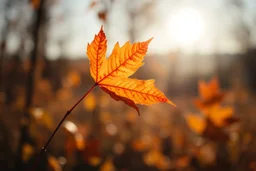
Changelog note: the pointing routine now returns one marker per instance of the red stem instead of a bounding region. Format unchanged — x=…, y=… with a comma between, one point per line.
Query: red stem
x=44, y=148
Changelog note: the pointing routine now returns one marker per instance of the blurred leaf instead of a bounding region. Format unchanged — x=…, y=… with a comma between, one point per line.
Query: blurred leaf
x=139, y=145
x=64, y=94
x=42, y=117
x=27, y=152
x=221, y=116
x=163, y=163
x=182, y=162
x=105, y=117
x=80, y=142
x=94, y=161
x=206, y=128
x=107, y=166
x=131, y=116
x=54, y=164
x=74, y=78
x=215, y=133
x=74, y=140
x=157, y=159
x=90, y=102
x=196, y=123
x=210, y=94
x=152, y=157
x=207, y=154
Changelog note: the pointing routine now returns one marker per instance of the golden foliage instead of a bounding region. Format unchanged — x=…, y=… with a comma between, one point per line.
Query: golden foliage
x=215, y=117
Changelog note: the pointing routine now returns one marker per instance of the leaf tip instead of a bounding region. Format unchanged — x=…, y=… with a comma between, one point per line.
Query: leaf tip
x=149, y=40
x=171, y=103
x=101, y=33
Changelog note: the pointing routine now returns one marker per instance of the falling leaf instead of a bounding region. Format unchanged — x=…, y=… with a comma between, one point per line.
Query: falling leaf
x=112, y=74
x=102, y=15
x=94, y=161
x=210, y=94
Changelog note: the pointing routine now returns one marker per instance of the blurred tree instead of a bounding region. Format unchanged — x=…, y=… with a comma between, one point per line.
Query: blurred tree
x=6, y=158
x=25, y=136
x=244, y=28
x=4, y=34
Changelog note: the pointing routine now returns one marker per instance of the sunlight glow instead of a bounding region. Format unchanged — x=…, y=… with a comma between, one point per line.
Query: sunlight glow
x=186, y=26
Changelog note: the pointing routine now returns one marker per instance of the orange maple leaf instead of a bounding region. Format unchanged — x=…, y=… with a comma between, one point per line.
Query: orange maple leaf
x=221, y=116
x=212, y=125
x=112, y=74
x=210, y=94
x=206, y=128
x=196, y=123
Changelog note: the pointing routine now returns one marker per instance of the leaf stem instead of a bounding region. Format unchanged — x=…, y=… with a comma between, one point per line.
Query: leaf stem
x=44, y=148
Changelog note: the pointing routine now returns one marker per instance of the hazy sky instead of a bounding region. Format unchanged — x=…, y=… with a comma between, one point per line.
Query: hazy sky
x=74, y=24
x=80, y=24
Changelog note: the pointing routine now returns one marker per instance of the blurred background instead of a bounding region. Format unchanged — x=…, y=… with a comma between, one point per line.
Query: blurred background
x=44, y=70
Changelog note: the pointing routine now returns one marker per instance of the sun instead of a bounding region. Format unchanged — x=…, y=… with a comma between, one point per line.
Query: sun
x=186, y=26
